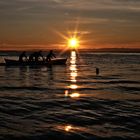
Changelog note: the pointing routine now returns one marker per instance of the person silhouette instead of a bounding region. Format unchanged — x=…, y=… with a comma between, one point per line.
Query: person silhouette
x=36, y=56
x=97, y=71
x=50, y=56
x=31, y=57
x=22, y=56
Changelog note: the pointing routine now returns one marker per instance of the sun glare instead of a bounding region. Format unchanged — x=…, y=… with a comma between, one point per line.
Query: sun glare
x=73, y=43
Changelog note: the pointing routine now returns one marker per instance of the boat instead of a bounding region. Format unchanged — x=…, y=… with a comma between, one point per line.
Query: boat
x=55, y=61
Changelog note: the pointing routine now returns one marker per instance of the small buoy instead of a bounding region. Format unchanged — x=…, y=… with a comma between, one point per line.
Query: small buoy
x=97, y=71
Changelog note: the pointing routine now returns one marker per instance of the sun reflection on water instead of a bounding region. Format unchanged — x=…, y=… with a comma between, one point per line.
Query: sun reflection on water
x=71, y=92
x=73, y=86
x=68, y=128
x=73, y=75
x=74, y=129
x=73, y=54
x=73, y=69
x=74, y=95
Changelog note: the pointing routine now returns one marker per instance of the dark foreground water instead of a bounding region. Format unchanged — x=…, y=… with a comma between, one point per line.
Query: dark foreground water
x=71, y=102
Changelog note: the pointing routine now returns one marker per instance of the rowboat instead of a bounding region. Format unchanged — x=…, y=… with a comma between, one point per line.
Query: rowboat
x=55, y=61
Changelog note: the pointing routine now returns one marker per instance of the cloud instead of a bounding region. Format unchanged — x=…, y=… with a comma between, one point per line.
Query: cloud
x=76, y=4
x=100, y=4
x=105, y=17
x=96, y=8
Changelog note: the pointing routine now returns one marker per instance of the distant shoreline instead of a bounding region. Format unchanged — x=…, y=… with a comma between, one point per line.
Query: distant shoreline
x=102, y=50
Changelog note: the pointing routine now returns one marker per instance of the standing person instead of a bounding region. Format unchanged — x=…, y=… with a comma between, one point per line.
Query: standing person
x=21, y=56
x=97, y=71
x=36, y=56
x=31, y=57
x=50, y=55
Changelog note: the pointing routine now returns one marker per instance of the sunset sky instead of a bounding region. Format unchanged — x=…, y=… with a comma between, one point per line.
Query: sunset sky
x=29, y=24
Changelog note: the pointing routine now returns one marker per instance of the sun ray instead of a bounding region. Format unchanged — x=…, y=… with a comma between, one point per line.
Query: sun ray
x=73, y=38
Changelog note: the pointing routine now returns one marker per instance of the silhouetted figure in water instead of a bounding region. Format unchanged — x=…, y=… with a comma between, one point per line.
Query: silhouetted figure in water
x=36, y=56
x=31, y=57
x=97, y=71
x=50, y=56
x=22, y=56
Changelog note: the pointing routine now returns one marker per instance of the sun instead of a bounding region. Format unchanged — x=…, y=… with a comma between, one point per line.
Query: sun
x=73, y=43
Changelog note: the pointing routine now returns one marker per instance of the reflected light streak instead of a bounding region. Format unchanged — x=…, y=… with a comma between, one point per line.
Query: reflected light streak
x=73, y=54
x=73, y=86
x=73, y=75
x=72, y=62
x=68, y=128
x=73, y=57
x=73, y=80
x=75, y=129
x=74, y=95
x=73, y=68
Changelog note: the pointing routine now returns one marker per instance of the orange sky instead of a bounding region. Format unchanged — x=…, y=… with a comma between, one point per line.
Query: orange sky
x=32, y=24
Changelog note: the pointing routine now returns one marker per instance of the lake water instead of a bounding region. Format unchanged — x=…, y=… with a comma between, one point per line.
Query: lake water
x=71, y=101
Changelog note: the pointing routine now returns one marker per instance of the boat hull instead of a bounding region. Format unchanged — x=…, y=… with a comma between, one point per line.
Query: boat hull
x=57, y=61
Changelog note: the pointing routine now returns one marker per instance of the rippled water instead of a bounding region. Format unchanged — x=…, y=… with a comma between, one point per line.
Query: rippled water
x=65, y=102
